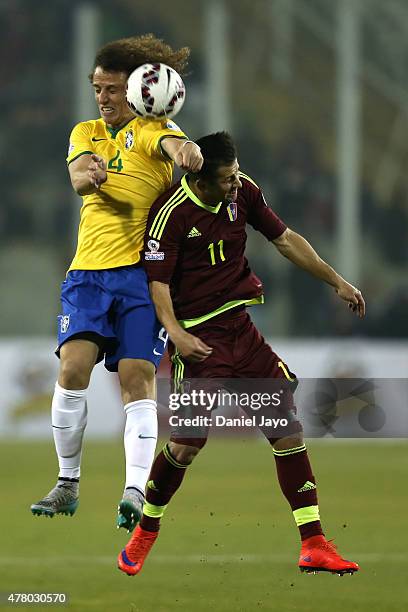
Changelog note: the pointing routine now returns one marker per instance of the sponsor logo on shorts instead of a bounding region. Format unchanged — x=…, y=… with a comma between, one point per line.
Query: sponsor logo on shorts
x=155, y=254
x=64, y=323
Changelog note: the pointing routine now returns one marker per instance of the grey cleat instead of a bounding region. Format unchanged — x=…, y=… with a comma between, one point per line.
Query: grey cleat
x=62, y=499
x=130, y=509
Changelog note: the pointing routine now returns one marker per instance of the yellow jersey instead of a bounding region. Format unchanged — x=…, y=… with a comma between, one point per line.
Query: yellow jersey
x=113, y=219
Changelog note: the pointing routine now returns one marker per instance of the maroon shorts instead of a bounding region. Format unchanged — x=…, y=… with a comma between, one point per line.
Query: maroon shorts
x=239, y=352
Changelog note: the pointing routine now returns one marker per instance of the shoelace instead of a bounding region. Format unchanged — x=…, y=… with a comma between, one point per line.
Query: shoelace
x=65, y=485
x=60, y=493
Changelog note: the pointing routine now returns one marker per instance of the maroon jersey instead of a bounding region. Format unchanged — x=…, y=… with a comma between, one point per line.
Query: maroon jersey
x=199, y=250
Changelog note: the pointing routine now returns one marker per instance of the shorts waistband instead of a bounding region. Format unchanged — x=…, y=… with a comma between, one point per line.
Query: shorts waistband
x=229, y=316
x=127, y=267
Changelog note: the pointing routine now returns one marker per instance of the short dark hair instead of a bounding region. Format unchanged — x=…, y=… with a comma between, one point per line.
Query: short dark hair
x=127, y=54
x=217, y=150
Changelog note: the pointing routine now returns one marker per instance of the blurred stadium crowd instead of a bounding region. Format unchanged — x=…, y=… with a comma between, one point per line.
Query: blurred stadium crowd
x=285, y=129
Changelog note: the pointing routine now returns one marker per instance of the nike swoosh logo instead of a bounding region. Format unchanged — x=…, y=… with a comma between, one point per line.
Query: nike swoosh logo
x=56, y=427
x=97, y=139
x=142, y=437
x=156, y=353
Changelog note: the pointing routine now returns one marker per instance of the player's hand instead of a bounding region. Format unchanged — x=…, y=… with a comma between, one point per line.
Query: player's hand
x=353, y=296
x=97, y=171
x=192, y=348
x=189, y=157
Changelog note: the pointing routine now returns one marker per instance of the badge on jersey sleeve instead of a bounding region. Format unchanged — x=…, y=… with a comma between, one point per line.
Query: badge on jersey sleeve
x=155, y=254
x=232, y=210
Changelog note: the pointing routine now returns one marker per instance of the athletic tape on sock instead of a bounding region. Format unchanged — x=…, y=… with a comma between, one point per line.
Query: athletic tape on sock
x=306, y=515
x=153, y=511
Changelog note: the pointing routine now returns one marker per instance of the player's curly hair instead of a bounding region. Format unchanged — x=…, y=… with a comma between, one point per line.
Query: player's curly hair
x=217, y=150
x=127, y=54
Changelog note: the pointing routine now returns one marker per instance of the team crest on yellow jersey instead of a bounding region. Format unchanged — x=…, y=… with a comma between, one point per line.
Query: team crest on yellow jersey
x=129, y=139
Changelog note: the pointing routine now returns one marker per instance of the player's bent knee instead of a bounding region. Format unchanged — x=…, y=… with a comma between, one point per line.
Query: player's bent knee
x=74, y=374
x=137, y=380
x=77, y=359
x=182, y=453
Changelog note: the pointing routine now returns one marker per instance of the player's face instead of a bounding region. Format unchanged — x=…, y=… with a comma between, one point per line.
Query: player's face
x=110, y=96
x=224, y=187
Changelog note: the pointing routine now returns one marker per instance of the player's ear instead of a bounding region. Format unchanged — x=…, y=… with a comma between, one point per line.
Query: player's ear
x=202, y=184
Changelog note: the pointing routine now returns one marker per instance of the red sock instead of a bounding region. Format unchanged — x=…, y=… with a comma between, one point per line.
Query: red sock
x=299, y=487
x=165, y=478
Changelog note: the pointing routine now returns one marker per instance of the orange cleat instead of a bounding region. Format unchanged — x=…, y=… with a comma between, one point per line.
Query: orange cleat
x=131, y=559
x=319, y=555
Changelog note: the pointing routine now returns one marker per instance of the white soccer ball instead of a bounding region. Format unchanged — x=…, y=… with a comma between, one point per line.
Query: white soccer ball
x=155, y=91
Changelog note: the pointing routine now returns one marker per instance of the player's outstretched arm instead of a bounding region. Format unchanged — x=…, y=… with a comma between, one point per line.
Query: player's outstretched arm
x=298, y=250
x=87, y=173
x=190, y=347
x=185, y=153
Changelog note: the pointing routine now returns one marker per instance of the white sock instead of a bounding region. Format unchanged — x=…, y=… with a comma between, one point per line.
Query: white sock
x=68, y=413
x=140, y=441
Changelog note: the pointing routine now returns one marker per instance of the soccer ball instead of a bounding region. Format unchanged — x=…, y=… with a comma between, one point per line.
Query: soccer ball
x=155, y=91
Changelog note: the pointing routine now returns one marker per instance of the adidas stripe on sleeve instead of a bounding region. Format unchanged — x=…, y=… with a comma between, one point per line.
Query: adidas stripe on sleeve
x=162, y=237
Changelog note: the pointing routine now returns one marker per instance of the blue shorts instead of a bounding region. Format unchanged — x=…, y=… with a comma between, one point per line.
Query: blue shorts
x=115, y=304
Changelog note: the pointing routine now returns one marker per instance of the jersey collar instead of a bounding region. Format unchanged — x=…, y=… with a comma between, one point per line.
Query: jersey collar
x=114, y=132
x=193, y=197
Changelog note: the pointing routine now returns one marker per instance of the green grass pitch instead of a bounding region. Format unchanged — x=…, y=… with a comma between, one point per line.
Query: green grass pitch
x=228, y=540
